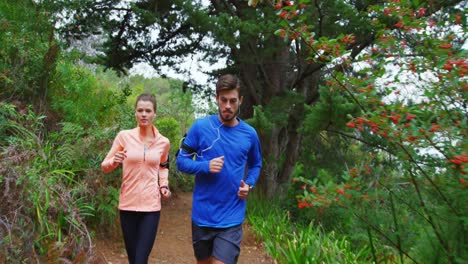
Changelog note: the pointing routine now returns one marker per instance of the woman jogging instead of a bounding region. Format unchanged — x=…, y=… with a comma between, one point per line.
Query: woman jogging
x=144, y=155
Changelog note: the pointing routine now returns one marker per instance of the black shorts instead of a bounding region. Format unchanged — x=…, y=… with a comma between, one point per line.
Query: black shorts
x=221, y=243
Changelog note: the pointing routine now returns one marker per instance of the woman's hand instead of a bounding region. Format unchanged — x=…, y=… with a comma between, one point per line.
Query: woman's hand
x=166, y=193
x=120, y=156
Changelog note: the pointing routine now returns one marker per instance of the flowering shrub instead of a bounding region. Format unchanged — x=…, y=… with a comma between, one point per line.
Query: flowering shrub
x=409, y=83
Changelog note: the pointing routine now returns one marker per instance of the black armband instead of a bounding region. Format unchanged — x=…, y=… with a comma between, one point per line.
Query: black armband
x=185, y=147
x=165, y=165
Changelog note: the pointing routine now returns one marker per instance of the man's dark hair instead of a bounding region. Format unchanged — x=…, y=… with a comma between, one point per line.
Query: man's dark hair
x=147, y=97
x=227, y=82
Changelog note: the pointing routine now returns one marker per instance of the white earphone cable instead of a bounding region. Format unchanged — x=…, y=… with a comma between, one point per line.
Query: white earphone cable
x=212, y=143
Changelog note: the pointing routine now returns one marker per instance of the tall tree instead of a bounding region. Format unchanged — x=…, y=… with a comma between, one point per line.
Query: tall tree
x=278, y=76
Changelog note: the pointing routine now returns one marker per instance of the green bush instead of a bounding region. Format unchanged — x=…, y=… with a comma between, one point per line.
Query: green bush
x=45, y=198
x=291, y=242
x=79, y=97
x=28, y=52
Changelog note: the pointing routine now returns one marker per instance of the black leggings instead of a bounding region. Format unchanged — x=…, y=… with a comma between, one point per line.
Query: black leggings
x=139, y=231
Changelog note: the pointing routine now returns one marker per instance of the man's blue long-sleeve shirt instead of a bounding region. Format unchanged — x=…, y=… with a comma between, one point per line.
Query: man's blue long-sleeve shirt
x=215, y=200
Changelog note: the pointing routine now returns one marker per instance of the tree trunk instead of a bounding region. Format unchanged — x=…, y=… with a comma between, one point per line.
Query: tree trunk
x=267, y=182
x=264, y=78
x=292, y=149
x=269, y=70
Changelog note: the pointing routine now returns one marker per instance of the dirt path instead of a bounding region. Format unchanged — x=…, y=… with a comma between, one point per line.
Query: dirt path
x=173, y=241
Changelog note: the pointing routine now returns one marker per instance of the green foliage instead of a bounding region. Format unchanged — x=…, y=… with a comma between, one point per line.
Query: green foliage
x=276, y=114
x=42, y=189
x=129, y=39
x=175, y=116
x=107, y=201
x=288, y=242
x=78, y=97
x=28, y=50
x=329, y=113
x=157, y=86
x=406, y=180
x=169, y=127
x=392, y=178
x=178, y=104
x=261, y=121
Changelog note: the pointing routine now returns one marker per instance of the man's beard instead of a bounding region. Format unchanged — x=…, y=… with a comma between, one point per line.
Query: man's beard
x=226, y=119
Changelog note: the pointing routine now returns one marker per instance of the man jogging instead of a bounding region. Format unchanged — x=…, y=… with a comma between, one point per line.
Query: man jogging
x=224, y=153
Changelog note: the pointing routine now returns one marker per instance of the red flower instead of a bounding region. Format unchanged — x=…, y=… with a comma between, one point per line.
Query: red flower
x=395, y=118
x=446, y=46
x=448, y=66
x=387, y=11
x=459, y=159
x=434, y=127
x=374, y=126
x=458, y=18
x=399, y=24
x=361, y=120
x=459, y=62
x=353, y=172
x=348, y=39
x=368, y=170
x=410, y=116
x=312, y=189
x=340, y=191
x=282, y=33
x=279, y=5
x=351, y=125
x=283, y=14
x=421, y=12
